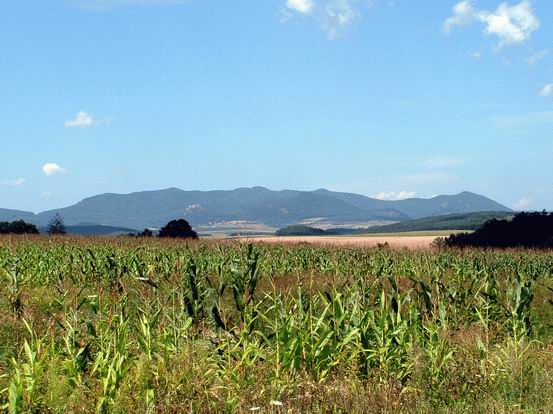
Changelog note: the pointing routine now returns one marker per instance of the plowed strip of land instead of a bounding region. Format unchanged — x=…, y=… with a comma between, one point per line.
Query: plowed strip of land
x=403, y=242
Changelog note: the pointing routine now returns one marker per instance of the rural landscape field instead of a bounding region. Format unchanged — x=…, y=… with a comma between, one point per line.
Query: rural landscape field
x=134, y=325
x=276, y=206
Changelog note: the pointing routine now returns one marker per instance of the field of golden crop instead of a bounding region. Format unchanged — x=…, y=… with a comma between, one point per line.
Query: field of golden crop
x=401, y=242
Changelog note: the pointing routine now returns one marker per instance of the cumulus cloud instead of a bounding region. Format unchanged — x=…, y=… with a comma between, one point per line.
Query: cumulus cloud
x=81, y=120
x=547, y=90
x=51, y=168
x=334, y=16
x=511, y=24
x=301, y=6
x=395, y=195
x=522, y=204
x=12, y=183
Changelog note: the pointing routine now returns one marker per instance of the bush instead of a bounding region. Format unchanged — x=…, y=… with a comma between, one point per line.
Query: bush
x=146, y=233
x=178, y=229
x=17, y=227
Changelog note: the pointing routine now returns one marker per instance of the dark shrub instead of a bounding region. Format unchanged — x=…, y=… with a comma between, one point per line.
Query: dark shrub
x=146, y=233
x=178, y=228
x=17, y=227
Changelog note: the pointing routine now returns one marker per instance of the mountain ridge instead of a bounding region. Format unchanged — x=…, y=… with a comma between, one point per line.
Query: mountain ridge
x=154, y=208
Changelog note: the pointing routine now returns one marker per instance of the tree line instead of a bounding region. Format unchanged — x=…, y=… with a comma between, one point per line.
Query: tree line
x=529, y=230
x=174, y=229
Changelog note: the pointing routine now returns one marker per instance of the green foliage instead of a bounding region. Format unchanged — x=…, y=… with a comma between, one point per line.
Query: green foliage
x=178, y=229
x=17, y=227
x=136, y=325
x=467, y=221
x=301, y=230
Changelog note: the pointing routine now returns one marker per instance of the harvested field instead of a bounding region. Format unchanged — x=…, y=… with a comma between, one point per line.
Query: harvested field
x=402, y=242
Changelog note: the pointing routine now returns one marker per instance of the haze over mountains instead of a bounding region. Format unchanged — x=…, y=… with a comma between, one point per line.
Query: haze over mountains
x=256, y=207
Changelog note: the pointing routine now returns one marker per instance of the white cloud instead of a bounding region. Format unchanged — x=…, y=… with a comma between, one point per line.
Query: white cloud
x=522, y=204
x=547, y=90
x=476, y=55
x=82, y=120
x=395, y=195
x=511, y=24
x=338, y=16
x=334, y=16
x=536, y=57
x=12, y=183
x=463, y=14
x=51, y=168
x=301, y=6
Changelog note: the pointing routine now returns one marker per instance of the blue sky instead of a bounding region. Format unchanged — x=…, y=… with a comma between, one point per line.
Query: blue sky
x=386, y=98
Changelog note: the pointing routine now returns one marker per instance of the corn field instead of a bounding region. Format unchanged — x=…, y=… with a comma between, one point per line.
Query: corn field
x=147, y=326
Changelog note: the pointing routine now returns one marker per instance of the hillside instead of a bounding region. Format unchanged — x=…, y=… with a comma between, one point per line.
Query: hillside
x=299, y=230
x=257, y=205
x=12, y=215
x=98, y=230
x=469, y=221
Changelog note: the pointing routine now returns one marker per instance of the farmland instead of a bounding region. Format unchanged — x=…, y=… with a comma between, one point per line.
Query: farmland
x=153, y=326
x=414, y=241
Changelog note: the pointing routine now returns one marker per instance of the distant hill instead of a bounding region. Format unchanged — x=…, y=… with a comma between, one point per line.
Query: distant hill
x=467, y=221
x=300, y=230
x=12, y=215
x=98, y=230
x=257, y=205
x=94, y=230
x=465, y=202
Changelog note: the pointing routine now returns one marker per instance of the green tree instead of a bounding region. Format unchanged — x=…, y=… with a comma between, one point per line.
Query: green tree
x=56, y=225
x=178, y=228
x=17, y=227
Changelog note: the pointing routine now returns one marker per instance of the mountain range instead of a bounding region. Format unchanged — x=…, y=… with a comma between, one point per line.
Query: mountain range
x=256, y=208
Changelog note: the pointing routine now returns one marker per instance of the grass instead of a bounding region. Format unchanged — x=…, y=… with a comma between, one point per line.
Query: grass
x=125, y=325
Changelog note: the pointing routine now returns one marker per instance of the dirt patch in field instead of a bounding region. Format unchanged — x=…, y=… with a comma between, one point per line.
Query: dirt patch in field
x=407, y=242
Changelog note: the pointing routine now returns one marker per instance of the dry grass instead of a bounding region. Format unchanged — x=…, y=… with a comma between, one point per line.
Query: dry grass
x=401, y=242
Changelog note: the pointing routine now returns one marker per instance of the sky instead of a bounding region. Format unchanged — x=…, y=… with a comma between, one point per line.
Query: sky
x=390, y=99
